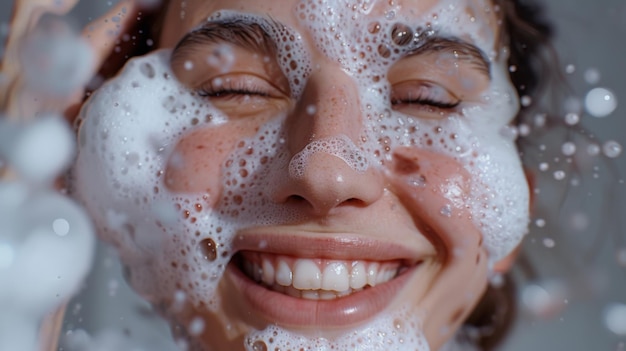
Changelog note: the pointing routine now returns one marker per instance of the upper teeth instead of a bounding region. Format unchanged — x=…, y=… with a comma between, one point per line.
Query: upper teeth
x=316, y=278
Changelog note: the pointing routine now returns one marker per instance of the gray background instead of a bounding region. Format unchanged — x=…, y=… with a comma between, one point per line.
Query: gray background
x=589, y=36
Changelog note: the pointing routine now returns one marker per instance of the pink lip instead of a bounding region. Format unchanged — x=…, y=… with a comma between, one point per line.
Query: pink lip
x=331, y=246
x=291, y=311
x=358, y=307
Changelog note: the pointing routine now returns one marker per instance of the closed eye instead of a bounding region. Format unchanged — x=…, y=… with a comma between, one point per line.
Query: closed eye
x=421, y=94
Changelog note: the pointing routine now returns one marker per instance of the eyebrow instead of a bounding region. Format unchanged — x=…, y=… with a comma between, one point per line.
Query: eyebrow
x=239, y=32
x=456, y=46
x=250, y=35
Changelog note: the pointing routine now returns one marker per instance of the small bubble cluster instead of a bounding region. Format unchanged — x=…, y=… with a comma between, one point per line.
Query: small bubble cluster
x=396, y=331
x=340, y=146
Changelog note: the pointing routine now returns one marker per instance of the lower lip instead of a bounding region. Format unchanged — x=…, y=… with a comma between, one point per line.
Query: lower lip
x=290, y=311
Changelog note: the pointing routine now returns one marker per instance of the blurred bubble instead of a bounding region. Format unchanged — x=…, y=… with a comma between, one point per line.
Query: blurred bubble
x=568, y=148
x=572, y=119
x=196, y=327
x=56, y=60
x=526, y=100
x=612, y=149
x=593, y=149
x=523, y=129
x=569, y=69
x=549, y=243
x=544, y=166
x=540, y=222
x=615, y=318
x=592, y=76
x=559, y=175
x=579, y=221
x=544, y=300
x=600, y=102
x=40, y=151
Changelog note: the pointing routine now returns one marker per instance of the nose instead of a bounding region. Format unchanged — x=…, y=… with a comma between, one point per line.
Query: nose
x=328, y=170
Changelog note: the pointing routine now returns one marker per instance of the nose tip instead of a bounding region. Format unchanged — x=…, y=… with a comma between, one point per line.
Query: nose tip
x=324, y=182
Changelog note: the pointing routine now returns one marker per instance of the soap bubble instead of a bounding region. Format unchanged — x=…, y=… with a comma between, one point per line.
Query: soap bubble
x=592, y=76
x=572, y=119
x=568, y=148
x=39, y=151
x=615, y=318
x=544, y=300
x=559, y=175
x=600, y=102
x=593, y=149
x=612, y=149
x=56, y=60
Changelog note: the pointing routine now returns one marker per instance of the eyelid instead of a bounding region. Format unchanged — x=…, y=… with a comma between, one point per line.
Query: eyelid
x=240, y=83
x=432, y=94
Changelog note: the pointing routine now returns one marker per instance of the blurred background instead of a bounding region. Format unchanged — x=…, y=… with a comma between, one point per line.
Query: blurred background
x=571, y=278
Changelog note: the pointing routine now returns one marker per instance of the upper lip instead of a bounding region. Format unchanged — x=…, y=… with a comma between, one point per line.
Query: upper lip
x=338, y=246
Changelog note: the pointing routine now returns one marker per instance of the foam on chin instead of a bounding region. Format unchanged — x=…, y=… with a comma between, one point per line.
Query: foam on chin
x=132, y=124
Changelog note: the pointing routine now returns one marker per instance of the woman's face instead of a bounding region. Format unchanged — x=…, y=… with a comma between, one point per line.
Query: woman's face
x=319, y=174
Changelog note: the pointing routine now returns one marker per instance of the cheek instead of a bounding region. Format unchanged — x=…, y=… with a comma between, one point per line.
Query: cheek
x=196, y=164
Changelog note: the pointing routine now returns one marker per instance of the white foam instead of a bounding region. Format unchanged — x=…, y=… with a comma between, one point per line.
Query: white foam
x=397, y=331
x=339, y=146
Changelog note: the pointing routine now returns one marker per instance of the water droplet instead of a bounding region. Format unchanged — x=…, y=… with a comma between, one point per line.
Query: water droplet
x=446, y=211
x=208, y=249
x=61, y=226
x=593, y=150
x=568, y=148
x=559, y=175
x=544, y=166
x=572, y=119
x=600, y=102
x=612, y=149
x=549, y=243
x=540, y=223
x=526, y=100
x=615, y=318
x=196, y=327
x=311, y=109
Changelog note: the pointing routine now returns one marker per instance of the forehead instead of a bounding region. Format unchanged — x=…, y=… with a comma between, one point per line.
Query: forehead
x=456, y=15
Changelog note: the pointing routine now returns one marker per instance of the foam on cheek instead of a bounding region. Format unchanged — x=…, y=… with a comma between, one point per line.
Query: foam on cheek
x=366, y=47
x=396, y=331
x=125, y=141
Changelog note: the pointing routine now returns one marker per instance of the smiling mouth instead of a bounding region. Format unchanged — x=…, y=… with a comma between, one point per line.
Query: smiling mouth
x=317, y=279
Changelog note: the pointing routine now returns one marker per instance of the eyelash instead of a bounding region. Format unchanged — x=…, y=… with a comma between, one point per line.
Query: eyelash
x=427, y=96
x=230, y=88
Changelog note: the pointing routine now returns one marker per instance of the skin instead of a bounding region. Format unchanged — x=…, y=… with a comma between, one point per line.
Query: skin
x=334, y=198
